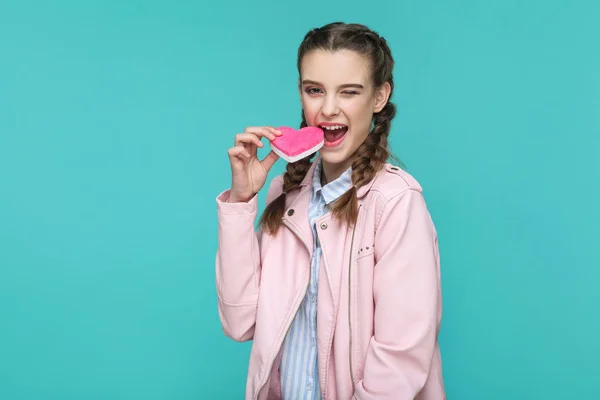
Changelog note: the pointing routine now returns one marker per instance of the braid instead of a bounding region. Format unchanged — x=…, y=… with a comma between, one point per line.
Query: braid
x=373, y=153
x=293, y=177
x=369, y=159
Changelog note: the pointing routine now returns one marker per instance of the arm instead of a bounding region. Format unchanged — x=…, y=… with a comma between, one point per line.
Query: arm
x=406, y=295
x=238, y=265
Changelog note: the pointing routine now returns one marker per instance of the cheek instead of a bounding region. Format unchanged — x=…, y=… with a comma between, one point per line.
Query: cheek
x=310, y=110
x=360, y=114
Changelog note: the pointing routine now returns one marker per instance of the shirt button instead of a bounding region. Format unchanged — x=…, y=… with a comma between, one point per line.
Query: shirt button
x=313, y=298
x=291, y=212
x=323, y=225
x=309, y=386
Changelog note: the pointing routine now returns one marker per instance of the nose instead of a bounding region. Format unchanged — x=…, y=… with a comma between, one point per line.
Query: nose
x=330, y=106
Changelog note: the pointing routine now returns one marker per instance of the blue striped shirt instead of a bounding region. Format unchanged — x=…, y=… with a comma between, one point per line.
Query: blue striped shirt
x=298, y=369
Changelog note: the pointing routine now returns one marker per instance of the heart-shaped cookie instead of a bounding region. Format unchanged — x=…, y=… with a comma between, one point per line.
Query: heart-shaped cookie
x=295, y=144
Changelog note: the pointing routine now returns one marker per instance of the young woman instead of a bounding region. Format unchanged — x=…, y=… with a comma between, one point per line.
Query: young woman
x=340, y=287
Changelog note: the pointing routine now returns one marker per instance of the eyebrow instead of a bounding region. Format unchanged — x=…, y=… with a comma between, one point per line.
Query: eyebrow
x=344, y=86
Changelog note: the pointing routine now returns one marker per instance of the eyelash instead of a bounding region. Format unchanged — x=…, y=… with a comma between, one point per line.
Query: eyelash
x=350, y=92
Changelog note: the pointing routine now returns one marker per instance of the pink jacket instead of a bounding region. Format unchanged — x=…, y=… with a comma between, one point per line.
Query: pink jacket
x=379, y=301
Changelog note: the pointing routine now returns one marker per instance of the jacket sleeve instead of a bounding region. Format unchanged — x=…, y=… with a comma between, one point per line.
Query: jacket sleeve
x=238, y=264
x=407, y=298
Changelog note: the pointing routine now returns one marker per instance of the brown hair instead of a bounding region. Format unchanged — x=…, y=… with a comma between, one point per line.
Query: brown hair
x=372, y=154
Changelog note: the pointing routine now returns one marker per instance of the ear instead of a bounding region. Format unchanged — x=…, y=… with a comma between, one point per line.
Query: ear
x=382, y=96
x=300, y=89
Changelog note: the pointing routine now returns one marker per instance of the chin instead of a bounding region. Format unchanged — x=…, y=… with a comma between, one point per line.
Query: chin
x=333, y=157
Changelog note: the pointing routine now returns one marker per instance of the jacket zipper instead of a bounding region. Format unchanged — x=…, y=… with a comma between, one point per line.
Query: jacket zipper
x=280, y=344
x=350, y=297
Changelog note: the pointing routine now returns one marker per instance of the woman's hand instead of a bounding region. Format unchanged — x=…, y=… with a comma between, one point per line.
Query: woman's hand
x=248, y=173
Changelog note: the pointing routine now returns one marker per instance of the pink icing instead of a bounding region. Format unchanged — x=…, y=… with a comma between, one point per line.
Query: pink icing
x=294, y=142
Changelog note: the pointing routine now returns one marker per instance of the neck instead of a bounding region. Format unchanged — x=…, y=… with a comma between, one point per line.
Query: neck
x=330, y=172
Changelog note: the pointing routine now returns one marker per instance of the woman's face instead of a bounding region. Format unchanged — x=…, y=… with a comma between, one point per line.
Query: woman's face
x=337, y=94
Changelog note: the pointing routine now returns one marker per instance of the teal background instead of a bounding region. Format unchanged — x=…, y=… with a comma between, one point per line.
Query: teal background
x=115, y=119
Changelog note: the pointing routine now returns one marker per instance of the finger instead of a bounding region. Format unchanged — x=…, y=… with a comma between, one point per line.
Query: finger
x=247, y=138
x=260, y=131
x=239, y=151
x=269, y=160
x=275, y=131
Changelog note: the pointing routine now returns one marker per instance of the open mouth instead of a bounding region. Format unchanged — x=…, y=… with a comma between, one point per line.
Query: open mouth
x=334, y=134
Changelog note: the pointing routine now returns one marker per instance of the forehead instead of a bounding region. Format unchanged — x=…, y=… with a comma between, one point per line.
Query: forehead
x=335, y=68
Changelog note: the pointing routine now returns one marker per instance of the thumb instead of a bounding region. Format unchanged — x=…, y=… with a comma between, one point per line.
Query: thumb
x=269, y=160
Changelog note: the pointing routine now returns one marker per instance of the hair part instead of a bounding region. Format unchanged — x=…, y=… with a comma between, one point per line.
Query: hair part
x=373, y=153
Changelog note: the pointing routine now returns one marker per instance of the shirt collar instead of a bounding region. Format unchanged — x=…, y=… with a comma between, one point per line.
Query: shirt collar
x=334, y=189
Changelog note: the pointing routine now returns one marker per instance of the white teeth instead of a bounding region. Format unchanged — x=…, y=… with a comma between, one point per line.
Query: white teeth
x=332, y=128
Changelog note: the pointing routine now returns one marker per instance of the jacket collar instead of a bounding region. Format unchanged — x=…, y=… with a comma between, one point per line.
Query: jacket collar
x=307, y=181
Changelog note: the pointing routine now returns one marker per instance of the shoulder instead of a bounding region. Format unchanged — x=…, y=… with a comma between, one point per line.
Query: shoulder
x=277, y=181
x=393, y=180
x=275, y=188
x=399, y=198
